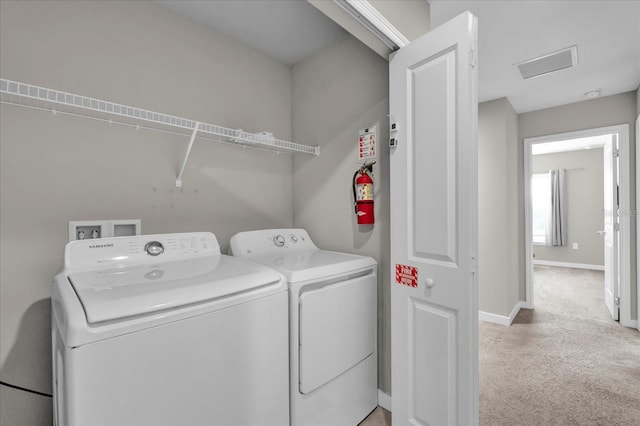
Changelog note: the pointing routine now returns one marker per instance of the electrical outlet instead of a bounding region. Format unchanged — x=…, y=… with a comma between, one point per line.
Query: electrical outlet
x=575, y=246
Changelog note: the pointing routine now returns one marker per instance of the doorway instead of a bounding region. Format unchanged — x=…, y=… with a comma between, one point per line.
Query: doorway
x=618, y=267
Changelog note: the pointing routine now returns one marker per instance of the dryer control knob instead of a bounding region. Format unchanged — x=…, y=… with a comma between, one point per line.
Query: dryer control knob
x=278, y=240
x=154, y=248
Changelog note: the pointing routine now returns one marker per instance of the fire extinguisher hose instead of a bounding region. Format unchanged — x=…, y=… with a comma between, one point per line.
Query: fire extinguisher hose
x=355, y=198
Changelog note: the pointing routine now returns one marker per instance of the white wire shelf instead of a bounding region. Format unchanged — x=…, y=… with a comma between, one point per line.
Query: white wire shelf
x=28, y=95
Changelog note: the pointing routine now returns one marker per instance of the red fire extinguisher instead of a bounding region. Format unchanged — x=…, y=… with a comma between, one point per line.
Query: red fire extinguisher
x=363, y=194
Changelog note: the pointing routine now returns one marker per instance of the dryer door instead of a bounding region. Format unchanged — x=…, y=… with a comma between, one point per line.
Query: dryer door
x=337, y=329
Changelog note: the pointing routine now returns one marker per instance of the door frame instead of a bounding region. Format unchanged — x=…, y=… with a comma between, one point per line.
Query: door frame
x=624, y=251
x=637, y=220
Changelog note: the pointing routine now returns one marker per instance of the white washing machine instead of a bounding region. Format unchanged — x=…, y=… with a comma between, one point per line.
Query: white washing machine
x=332, y=315
x=164, y=330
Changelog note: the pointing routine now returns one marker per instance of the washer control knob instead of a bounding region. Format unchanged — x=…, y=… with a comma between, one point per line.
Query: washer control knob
x=294, y=239
x=278, y=240
x=154, y=248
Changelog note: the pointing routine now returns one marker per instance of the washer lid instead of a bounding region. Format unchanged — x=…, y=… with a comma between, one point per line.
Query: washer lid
x=126, y=291
x=315, y=264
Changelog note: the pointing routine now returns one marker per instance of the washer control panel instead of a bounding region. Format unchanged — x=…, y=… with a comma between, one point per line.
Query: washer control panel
x=270, y=242
x=279, y=240
x=139, y=249
x=154, y=248
x=290, y=238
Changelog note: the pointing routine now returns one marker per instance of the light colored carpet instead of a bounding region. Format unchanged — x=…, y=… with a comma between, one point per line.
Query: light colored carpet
x=564, y=363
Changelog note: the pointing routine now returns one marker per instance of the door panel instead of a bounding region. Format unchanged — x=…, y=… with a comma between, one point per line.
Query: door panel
x=432, y=355
x=433, y=115
x=434, y=313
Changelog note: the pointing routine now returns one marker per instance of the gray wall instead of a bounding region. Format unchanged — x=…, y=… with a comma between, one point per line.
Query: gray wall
x=498, y=251
x=60, y=168
x=585, y=201
x=332, y=99
x=601, y=112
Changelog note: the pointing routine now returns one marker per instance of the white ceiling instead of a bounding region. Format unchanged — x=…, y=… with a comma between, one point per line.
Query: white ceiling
x=288, y=31
x=607, y=34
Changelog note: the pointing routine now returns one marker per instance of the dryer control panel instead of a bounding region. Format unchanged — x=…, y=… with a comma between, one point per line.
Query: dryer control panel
x=270, y=242
x=139, y=249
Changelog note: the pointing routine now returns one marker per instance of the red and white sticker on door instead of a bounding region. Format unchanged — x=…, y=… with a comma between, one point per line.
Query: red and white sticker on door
x=407, y=275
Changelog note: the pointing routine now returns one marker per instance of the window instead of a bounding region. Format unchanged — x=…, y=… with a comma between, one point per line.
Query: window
x=541, y=203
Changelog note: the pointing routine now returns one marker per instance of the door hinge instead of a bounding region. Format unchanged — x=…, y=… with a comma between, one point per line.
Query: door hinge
x=616, y=301
x=474, y=264
x=616, y=153
x=616, y=226
x=472, y=58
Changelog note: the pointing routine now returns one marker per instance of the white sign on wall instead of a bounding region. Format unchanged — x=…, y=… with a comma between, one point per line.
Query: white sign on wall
x=366, y=143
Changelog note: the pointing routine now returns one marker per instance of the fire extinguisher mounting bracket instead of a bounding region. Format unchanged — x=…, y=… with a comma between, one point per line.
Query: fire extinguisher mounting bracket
x=368, y=167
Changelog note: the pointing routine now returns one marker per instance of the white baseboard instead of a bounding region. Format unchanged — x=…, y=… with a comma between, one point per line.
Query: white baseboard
x=629, y=323
x=384, y=400
x=499, y=319
x=569, y=265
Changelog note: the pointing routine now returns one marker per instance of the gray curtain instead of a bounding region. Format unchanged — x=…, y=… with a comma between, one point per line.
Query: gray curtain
x=557, y=224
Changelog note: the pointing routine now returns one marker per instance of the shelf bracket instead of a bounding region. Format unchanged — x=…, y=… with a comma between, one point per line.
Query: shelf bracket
x=186, y=155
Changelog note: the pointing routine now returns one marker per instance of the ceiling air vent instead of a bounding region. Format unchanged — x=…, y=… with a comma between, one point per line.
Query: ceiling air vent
x=565, y=58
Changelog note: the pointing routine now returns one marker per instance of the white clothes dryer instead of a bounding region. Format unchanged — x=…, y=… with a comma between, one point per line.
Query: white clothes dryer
x=164, y=330
x=332, y=320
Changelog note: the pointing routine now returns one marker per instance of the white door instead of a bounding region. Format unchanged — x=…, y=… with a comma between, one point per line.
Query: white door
x=610, y=228
x=434, y=312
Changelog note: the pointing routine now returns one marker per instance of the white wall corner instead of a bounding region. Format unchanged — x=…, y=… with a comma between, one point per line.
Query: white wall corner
x=384, y=400
x=500, y=319
x=527, y=304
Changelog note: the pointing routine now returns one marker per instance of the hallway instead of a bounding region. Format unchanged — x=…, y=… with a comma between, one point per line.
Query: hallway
x=564, y=363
